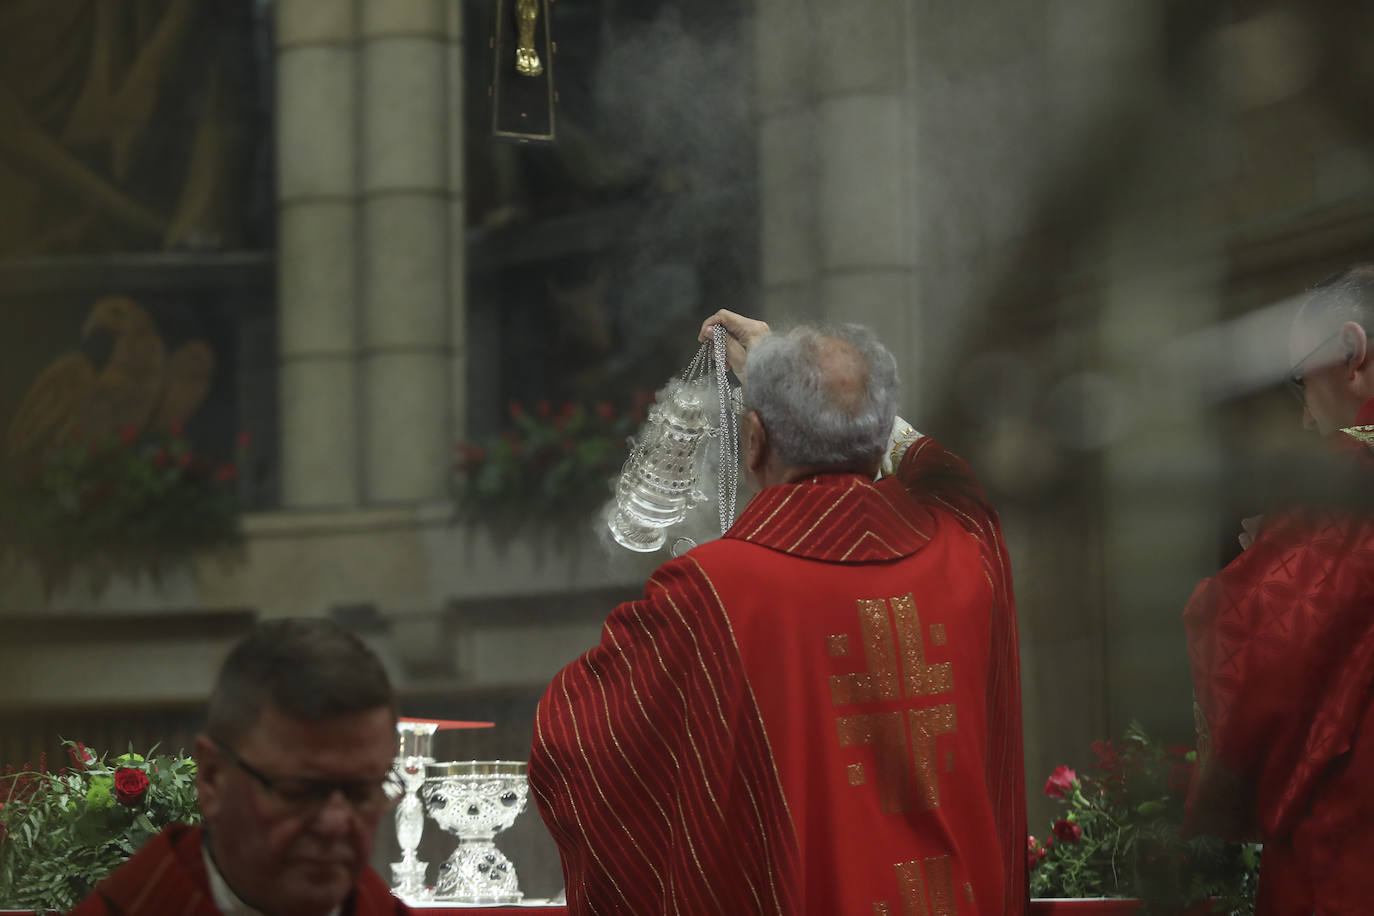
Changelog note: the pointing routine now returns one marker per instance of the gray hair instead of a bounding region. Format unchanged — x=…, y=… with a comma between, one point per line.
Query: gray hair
x=1341, y=297
x=812, y=421
x=308, y=668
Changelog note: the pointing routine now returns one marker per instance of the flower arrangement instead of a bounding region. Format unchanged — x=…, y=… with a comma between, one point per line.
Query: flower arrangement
x=132, y=505
x=62, y=832
x=549, y=463
x=1119, y=835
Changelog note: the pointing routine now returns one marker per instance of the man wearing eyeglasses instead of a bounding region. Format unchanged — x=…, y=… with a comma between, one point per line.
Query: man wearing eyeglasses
x=1282, y=642
x=293, y=776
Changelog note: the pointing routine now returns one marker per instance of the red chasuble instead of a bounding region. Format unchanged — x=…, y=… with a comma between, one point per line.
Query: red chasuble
x=167, y=878
x=1282, y=649
x=818, y=713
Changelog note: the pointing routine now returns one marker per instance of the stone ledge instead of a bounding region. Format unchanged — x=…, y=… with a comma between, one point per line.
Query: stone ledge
x=307, y=522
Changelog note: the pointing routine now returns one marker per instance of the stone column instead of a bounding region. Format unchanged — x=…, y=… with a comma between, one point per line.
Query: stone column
x=837, y=168
x=408, y=277
x=788, y=166
x=316, y=140
x=457, y=226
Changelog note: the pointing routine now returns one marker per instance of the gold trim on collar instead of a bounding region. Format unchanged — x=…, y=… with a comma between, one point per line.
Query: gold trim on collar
x=1363, y=434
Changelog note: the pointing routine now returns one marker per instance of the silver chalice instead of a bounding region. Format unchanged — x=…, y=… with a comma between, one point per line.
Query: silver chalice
x=475, y=800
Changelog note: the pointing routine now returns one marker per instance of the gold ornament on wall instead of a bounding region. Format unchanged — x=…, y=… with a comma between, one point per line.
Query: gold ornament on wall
x=521, y=90
x=141, y=386
x=526, y=57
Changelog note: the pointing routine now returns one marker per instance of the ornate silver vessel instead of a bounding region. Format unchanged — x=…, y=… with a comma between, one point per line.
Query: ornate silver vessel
x=475, y=800
x=661, y=478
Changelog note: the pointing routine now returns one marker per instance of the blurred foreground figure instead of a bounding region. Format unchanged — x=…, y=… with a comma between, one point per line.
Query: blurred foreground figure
x=1282, y=644
x=292, y=772
x=820, y=711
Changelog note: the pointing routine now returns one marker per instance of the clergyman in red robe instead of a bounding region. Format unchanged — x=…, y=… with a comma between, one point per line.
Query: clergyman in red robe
x=291, y=778
x=820, y=711
x=1281, y=643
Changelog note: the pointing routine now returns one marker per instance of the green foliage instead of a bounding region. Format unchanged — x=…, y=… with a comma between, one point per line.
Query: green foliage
x=549, y=464
x=138, y=505
x=1129, y=808
x=62, y=832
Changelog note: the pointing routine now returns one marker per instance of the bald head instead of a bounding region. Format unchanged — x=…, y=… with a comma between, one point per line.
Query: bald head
x=826, y=397
x=844, y=373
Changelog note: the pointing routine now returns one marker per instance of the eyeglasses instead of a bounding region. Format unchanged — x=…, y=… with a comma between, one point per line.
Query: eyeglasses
x=304, y=796
x=1294, y=379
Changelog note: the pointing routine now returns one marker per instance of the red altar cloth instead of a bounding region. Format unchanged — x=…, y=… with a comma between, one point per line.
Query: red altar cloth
x=1037, y=908
x=449, y=724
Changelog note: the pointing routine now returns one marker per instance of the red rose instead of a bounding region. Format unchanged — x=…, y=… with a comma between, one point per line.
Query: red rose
x=1181, y=779
x=225, y=473
x=1032, y=844
x=1108, y=758
x=1067, y=831
x=130, y=784
x=515, y=410
x=606, y=411
x=185, y=461
x=81, y=757
x=545, y=409
x=128, y=433
x=1061, y=782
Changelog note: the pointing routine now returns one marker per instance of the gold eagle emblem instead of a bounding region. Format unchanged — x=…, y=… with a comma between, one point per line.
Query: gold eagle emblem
x=141, y=386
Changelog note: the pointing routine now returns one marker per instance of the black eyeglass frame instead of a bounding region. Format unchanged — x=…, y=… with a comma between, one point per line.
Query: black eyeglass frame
x=309, y=795
x=1295, y=377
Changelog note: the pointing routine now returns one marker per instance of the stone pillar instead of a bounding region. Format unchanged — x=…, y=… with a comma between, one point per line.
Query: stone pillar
x=837, y=169
x=788, y=166
x=316, y=143
x=457, y=226
x=408, y=277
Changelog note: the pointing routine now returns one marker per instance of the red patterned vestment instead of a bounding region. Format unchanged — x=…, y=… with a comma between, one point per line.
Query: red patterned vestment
x=167, y=877
x=818, y=713
x=1282, y=649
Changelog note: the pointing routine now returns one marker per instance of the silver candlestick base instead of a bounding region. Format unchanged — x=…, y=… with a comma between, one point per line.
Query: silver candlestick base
x=414, y=754
x=408, y=880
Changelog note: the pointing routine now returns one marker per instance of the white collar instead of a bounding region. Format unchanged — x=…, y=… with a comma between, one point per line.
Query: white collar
x=226, y=901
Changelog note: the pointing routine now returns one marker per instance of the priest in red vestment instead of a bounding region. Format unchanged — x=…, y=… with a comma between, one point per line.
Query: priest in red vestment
x=1282, y=645
x=819, y=712
x=292, y=773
